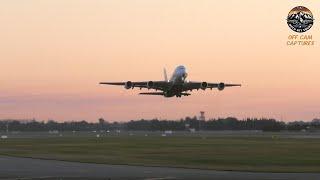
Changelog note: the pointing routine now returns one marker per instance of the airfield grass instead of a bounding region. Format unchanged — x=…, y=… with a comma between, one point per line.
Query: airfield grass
x=259, y=154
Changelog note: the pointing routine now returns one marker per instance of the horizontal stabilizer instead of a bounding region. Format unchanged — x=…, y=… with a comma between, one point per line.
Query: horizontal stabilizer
x=152, y=93
x=113, y=83
x=230, y=85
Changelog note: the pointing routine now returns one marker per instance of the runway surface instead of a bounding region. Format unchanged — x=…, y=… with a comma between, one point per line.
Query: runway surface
x=28, y=168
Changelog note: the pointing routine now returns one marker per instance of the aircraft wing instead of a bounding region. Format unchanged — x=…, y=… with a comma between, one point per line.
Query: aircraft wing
x=188, y=86
x=157, y=85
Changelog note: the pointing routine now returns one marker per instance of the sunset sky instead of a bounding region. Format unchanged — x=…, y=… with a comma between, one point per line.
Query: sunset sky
x=54, y=53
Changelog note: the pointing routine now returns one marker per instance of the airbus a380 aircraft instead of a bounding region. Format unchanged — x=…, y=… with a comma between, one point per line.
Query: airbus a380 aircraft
x=176, y=86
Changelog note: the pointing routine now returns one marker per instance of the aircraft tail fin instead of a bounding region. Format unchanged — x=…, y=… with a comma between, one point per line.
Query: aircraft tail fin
x=165, y=74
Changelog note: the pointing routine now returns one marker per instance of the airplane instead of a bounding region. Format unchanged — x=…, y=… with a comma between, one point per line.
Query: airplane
x=177, y=85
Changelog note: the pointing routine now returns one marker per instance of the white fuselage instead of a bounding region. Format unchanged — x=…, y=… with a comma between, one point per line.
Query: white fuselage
x=179, y=75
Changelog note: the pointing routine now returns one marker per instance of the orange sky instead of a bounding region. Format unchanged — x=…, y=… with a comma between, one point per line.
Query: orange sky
x=54, y=53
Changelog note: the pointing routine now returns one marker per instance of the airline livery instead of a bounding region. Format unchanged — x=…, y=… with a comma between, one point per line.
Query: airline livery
x=175, y=86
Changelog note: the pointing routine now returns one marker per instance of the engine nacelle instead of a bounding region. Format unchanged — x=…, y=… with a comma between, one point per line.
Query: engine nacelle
x=204, y=85
x=150, y=84
x=128, y=85
x=221, y=86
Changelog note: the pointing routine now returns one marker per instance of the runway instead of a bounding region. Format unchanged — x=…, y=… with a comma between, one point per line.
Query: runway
x=28, y=168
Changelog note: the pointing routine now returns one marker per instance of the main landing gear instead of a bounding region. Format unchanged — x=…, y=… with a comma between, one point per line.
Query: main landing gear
x=182, y=94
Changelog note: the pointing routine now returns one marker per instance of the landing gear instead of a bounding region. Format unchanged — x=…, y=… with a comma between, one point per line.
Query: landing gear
x=177, y=94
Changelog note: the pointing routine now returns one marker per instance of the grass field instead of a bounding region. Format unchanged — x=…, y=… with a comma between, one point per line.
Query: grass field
x=262, y=154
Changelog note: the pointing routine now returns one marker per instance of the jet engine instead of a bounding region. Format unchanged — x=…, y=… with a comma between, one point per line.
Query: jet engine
x=150, y=84
x=204, y=85
x=128, y=85
x=221, y=86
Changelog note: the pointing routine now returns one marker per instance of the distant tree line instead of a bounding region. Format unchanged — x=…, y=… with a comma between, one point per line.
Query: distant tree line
x=188, y=123
x=229, y=123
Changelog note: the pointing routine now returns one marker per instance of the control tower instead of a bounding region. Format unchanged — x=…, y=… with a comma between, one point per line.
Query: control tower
x=202, y=117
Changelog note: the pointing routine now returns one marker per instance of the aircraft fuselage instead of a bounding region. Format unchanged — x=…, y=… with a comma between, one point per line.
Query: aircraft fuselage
x=177, y=81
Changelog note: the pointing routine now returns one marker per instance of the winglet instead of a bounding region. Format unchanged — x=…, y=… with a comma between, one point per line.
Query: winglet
x=165, y=74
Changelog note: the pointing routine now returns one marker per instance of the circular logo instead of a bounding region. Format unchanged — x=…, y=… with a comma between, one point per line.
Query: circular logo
x=300, y=19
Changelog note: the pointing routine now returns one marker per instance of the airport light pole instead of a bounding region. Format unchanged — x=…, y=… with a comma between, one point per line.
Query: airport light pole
x=7, y=128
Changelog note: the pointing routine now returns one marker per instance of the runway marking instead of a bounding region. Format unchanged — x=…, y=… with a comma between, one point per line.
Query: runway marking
x=161, y=178
x=41, y=177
